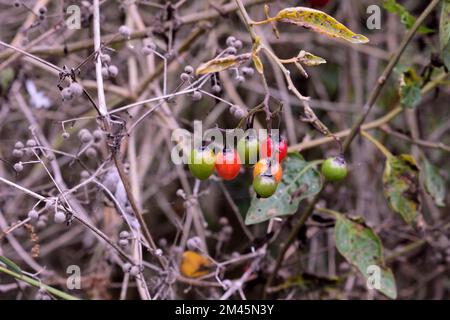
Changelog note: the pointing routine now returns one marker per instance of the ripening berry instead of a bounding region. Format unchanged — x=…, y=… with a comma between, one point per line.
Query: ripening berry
x=280, y=147
x=113, y=71
x=18, y=166
x=125, y=31
x=66, y=135
x=228, y=164
x=60, y=217
x=265, y=166
x=265, y=185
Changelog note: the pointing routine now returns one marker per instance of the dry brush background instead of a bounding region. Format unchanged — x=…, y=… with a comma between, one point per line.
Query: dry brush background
x=65, y=163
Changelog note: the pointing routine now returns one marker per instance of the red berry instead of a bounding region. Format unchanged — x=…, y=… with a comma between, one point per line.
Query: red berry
x=266, y=149
x=228, y=164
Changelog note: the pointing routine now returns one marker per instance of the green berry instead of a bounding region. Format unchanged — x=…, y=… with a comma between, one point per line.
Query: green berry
x=264, y=185
x=334, y=169
x=202, y=162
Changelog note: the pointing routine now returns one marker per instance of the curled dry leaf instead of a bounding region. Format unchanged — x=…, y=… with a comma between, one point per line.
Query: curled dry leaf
x=221, y=64
x=194, y=265
x=320, y=22
x=310, y=60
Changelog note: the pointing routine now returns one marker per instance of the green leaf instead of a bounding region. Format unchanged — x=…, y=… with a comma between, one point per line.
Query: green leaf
x=434, y=184
x=221, y=64
x=361, y=247
x=401, y=186
x=405, y=17
x=320, y=22
x=410, y=85
x=10, y=265
x=300, y=180
x=444, y=33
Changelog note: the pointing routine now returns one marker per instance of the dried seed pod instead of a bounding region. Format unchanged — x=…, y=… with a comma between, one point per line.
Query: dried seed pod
x=125, y=31
x=60, y=217
x=33, y=215
x=18, y=166
x=66, y=94
x=17, y=153
x=189, y=69
x=76, y=88
x=113, y=71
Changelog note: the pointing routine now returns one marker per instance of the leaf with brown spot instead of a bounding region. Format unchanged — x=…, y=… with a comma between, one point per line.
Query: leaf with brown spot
x=320, y=22
x=401, y=186
x=361, y=247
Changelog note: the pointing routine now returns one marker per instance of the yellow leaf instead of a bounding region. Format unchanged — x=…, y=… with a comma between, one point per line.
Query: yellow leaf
x=310, y=60
x=258, y=64
x=320, y=22
x=221, y=64
x=256, y=60
x=194, y=265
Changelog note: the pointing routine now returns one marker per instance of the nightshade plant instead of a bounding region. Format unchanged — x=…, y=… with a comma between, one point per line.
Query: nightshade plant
x=343, y=198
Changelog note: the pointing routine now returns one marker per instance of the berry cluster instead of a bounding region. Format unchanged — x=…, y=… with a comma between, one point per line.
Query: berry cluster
x=267, y=172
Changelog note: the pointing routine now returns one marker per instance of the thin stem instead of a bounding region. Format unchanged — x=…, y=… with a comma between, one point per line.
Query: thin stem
x=377, y=144
x=38, y=284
